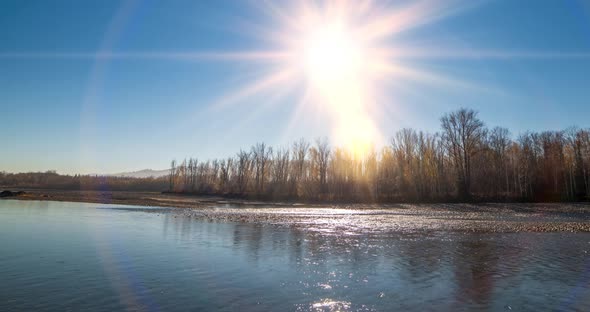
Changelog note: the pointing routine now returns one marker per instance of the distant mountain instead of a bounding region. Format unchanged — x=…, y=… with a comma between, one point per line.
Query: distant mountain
x=145, y=173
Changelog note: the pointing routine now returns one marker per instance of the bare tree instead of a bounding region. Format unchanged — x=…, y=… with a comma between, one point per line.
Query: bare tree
x=320, y=156
x=172, y=175
x=404, y=146
x=280, y=170
x=462, y=132
x=417, y=166
x=224, y=175
x=299, y=151
x=243, y=173
x=499, y=144
x=261, y=155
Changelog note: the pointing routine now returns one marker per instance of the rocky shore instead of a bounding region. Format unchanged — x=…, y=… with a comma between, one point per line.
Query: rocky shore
x=490, y=217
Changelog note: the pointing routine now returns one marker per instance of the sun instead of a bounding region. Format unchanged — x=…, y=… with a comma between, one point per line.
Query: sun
x=345, y=57
x=332, y=54
x=335, y=63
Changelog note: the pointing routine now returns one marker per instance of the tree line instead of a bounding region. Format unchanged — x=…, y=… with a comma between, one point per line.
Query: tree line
x=53, y=180
x=464, y=161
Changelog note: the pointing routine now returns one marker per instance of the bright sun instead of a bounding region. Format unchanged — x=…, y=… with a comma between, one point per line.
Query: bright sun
x=342, y=53
x=332, y=54
x=334, y=61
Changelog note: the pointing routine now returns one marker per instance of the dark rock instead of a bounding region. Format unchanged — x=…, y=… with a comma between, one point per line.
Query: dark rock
x=7, y=194
x=10, y=193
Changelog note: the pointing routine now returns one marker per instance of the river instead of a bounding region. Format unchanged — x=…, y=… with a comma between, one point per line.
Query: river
x=57, y=256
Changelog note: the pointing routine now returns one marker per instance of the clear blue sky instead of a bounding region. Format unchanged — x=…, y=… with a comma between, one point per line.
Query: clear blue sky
x=64, y=107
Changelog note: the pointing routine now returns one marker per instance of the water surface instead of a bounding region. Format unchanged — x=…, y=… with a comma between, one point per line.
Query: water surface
x=74, y=256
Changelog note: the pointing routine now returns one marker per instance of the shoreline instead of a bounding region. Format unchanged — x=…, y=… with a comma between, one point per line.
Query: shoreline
x=362, y=218
x=141, y=198
x=188, y=200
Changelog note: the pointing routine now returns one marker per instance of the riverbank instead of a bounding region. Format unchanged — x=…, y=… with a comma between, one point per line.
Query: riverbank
x=490, y=217
x=150, y=199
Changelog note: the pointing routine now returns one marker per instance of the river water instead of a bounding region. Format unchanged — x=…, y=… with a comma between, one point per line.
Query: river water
x=57, y=256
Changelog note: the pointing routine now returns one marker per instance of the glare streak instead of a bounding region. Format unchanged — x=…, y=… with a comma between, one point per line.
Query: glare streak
x=265, y=56
x=261, y=85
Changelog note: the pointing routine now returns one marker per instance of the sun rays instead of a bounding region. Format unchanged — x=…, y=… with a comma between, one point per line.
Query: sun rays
x=341, y=52
x=339, y=62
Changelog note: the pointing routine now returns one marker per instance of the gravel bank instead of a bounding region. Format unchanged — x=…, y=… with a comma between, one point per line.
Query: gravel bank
x=492, y=217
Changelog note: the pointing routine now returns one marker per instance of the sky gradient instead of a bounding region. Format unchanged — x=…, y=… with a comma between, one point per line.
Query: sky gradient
x=108, y=86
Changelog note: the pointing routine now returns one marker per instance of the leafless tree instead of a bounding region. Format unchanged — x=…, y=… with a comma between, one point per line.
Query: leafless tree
x=261, y=155
x=320, y=155
x=243, y=173
x=299, y=152
x=172, y=175
x=499, y=143
x=462, y=133
x=417, y=166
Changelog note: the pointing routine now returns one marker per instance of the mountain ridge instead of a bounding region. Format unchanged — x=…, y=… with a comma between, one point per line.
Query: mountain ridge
x=144, y=173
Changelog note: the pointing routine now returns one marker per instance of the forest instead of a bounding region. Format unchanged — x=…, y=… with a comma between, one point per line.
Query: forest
x=464, y=162
x=53, y=180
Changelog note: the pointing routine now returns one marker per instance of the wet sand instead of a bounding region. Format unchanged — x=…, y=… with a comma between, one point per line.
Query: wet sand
x=356, y=218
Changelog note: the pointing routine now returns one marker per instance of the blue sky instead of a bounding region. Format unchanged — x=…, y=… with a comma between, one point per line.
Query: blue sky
x=64, y=108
